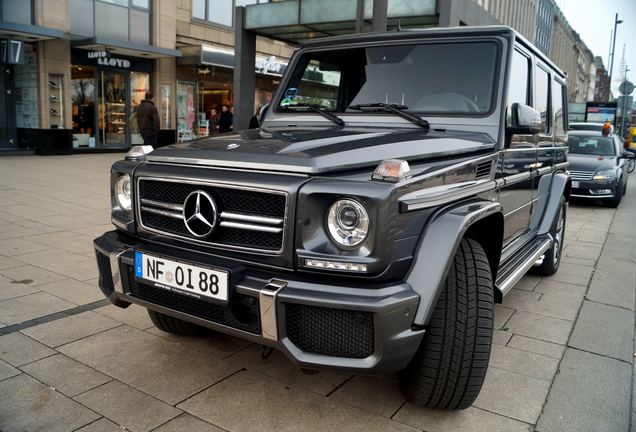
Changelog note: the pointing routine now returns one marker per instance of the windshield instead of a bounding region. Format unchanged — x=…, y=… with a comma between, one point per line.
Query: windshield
x=430, y=78
x=591, y=145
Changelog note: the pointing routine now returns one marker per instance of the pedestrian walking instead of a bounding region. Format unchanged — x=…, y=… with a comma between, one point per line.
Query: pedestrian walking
x=213, y=119
x=148, y=120
x=226, y=120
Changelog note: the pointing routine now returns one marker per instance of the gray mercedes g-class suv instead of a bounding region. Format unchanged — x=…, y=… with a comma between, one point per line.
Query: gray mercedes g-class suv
x=399, y=185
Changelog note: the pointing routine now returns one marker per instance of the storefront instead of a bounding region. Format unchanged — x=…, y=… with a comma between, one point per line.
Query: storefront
x=105, y=91
x=204, y=84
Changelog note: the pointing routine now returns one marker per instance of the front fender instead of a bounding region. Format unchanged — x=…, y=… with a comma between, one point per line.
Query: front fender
x=561, y=184
x=437, y=249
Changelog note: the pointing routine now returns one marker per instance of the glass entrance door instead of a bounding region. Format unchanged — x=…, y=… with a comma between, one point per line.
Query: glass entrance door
x=112, y=109
x=7, y=109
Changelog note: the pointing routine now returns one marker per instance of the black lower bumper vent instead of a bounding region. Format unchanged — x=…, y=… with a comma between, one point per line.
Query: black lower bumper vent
x=332, y=332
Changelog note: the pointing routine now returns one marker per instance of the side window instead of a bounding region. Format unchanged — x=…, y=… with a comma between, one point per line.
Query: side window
x=518, y=82
x=541, y=99
x=557, y=107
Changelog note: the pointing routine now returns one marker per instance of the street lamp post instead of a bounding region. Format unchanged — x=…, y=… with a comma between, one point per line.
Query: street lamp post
x=616, y=23
x=624, y=107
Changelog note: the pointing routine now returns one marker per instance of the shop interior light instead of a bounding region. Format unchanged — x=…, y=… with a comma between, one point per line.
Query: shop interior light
x=335, y=265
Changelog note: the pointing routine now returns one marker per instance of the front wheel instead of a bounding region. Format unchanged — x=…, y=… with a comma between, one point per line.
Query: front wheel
x=616, y=200
x=449, y=368
x=552, y=257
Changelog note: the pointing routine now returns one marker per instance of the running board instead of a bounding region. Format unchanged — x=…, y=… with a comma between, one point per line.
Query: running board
x=520, y=263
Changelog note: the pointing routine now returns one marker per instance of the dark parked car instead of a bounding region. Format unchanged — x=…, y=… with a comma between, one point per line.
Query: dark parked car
x=399, y=185
x=597, y=166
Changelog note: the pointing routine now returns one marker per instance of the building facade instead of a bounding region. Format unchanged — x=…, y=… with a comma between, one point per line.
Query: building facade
x=601, y=80
x=85, y=65
x=543, y=23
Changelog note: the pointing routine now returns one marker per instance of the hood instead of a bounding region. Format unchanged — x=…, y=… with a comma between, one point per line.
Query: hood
x=313, y=151
x=580, y=162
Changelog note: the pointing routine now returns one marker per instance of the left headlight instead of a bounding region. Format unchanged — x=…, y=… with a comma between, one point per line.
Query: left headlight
x=605, y=174
x=122, y=192
x=347, y=223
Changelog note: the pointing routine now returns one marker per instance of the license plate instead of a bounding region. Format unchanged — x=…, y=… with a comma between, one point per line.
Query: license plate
x=575, y=184
x=191, y=280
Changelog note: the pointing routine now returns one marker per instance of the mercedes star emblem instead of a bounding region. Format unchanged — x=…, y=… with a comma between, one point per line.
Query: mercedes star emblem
x=199, y=213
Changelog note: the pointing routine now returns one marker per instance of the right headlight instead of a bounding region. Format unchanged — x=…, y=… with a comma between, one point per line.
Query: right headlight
x=347, y=223
x=122, y=192
x=605, y=174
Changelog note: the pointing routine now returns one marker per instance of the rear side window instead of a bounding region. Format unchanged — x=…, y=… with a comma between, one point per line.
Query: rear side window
x=558, y=91
x=518, y=81
x=541, y=94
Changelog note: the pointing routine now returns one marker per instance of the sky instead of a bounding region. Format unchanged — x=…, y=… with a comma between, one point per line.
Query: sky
x=593, y=20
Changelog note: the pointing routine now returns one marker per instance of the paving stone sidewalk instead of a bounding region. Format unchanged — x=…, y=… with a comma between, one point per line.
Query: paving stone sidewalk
x=562, y=358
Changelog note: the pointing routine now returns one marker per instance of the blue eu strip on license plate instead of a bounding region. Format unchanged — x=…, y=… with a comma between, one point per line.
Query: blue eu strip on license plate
x=138, y=264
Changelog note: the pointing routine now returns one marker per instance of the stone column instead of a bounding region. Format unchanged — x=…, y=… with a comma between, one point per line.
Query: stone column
x=379, y=21
x=244, y=71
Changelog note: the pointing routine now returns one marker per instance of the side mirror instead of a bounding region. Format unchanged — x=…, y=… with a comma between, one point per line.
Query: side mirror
x=525, y=120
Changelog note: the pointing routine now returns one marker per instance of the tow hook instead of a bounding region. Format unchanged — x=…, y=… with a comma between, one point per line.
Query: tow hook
x=266, y=352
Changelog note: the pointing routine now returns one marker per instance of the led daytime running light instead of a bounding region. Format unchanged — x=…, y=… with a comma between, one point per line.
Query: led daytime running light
x=335, y=265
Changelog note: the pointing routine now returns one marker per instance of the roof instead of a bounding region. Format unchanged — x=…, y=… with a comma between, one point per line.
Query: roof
x=410, y=34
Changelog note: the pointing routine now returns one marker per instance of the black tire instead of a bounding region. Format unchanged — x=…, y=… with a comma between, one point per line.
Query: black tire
x=174, y=325
x=450, y=365
x=618, y=197
x=552, y=257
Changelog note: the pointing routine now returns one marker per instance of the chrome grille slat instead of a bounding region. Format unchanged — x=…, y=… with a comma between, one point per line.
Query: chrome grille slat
x=250, y=227
x=249, y=219
x=162, y=212
x=166, y=205
x=582, y=175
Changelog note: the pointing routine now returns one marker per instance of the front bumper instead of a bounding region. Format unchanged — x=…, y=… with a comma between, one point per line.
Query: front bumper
x=352, y=329
x=595, y=189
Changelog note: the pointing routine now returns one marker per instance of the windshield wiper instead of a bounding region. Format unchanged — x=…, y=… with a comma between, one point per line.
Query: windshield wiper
x=394, y=108
x=317, y=109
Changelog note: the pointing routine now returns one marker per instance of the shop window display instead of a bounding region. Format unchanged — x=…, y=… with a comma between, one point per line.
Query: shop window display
x=83, y=99
x=185, y=111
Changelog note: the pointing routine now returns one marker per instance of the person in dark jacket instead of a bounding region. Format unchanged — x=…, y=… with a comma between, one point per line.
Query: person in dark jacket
x=148, y=120
x=226, y=120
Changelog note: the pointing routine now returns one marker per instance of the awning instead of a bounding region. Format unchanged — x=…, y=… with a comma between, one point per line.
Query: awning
x=300, y=20
x=213, y=56
x=125, y=48
x=27, y=32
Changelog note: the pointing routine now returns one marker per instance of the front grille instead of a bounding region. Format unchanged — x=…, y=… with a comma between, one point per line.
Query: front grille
x=332, y=332
x=241, y=312
x=105, y=274
x=582, y=175
x=246, y=219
